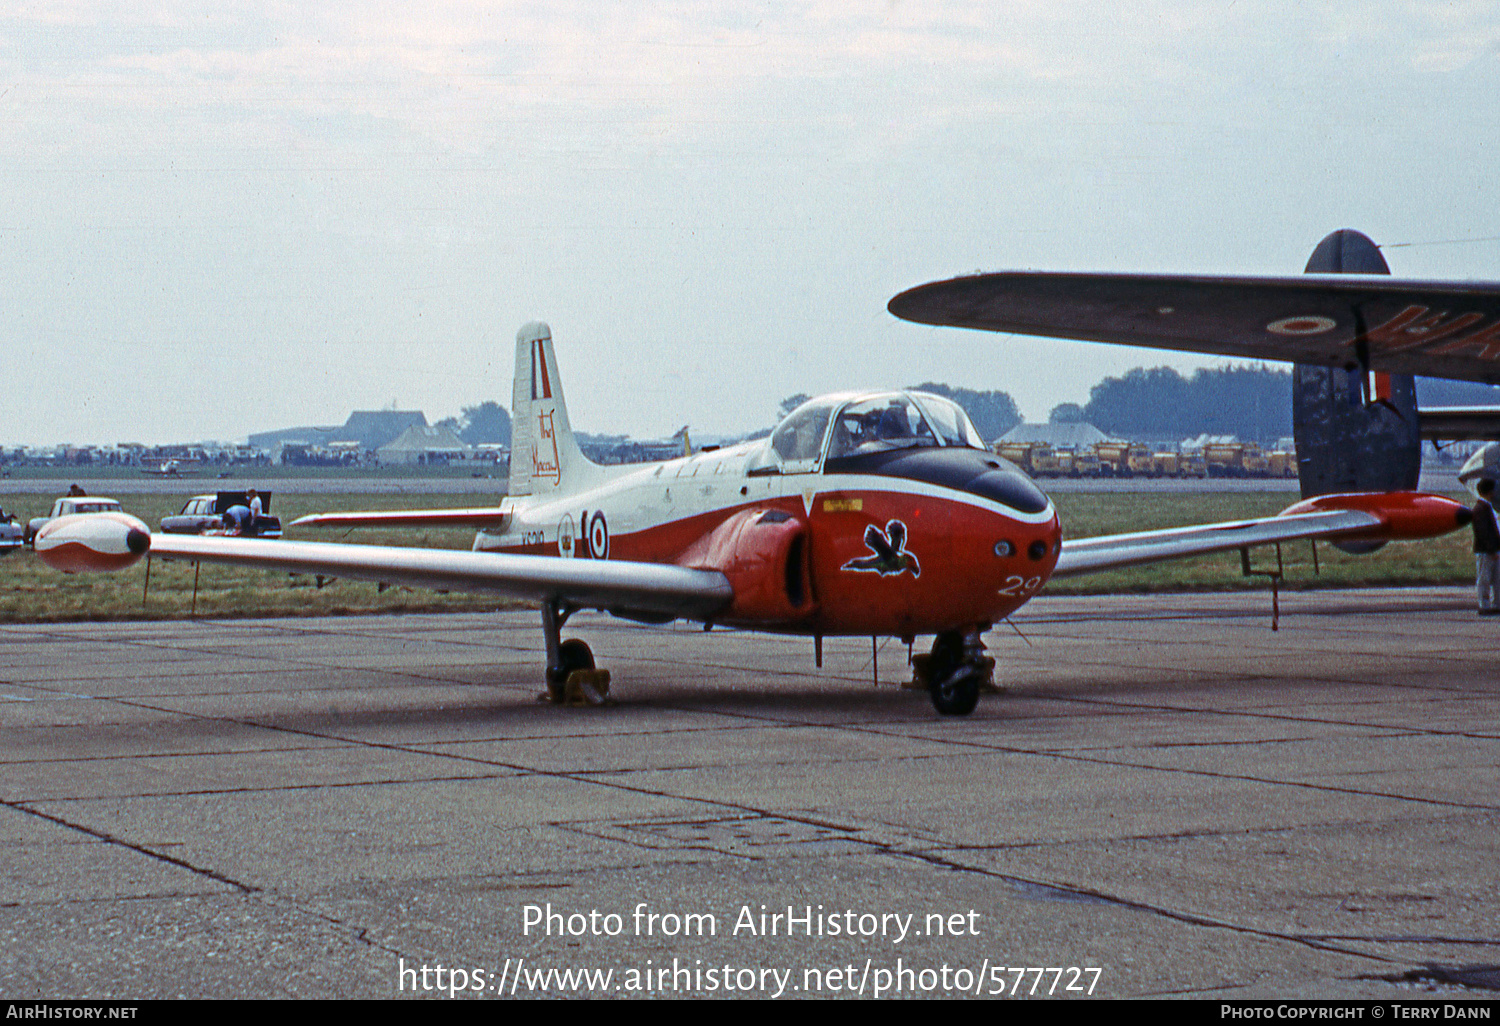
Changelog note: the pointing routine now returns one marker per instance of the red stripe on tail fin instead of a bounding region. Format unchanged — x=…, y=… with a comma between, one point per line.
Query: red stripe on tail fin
x=541, y=363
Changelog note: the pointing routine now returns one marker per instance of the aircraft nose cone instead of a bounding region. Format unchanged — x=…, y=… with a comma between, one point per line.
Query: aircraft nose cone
x=138, y=541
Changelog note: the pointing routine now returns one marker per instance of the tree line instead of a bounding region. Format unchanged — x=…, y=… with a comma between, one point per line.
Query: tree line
x=485, y=424
x=1159, y=403
x=1252, y=402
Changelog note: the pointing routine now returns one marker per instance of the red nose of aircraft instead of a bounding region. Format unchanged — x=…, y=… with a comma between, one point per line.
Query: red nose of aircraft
x=92, y=542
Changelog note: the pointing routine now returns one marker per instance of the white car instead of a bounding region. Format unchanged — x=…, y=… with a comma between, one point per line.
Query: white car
x=68, y=505
x=10, y=534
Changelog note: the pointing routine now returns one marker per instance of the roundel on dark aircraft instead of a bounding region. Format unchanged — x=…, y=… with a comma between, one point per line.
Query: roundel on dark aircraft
x=598, y=537
x=1308, y=325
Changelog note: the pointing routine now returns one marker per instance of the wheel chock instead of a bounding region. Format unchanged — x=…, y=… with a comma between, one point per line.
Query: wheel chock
x=582, y=688
x=987, y=685
x=919, y=681
x=587, y=688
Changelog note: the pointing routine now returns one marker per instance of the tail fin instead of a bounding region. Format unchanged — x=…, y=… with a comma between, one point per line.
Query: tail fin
x=1355, y=432
x=544, y=458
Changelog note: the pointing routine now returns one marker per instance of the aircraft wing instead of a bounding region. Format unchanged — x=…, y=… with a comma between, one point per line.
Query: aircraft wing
x=1452, y=423
x=1438, y=329
x=1110, y=552
x=485, y=516
x=616, y=585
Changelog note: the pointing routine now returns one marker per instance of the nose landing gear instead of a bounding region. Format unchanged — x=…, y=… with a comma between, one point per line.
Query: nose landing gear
x=954, y=672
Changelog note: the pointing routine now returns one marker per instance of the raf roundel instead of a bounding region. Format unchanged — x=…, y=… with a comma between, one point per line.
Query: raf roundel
x=1302, y=325
x=599, y=537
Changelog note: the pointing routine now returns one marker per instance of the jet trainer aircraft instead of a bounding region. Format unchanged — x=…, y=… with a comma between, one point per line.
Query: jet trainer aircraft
x=878, y=514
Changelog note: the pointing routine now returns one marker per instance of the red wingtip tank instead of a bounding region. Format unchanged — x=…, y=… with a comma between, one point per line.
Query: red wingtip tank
x=92, y=542
x=1405, y=516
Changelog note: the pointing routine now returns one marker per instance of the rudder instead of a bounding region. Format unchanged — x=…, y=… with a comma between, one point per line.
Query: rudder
x=544, y=457
x=1353, y=434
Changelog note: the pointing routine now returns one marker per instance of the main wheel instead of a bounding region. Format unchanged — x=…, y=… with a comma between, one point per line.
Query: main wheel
x=573, y=654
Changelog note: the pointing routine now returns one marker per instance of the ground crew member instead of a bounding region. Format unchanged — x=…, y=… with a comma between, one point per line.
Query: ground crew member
x=1486, y=550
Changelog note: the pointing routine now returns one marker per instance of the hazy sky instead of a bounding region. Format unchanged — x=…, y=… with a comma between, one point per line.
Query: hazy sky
x=226, y=217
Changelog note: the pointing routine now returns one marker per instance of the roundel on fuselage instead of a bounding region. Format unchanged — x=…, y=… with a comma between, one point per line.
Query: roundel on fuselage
x=599, y=536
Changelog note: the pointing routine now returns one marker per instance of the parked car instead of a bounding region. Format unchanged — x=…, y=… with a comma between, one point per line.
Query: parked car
x=67, y=506
x=204, y=514
x=11, y=533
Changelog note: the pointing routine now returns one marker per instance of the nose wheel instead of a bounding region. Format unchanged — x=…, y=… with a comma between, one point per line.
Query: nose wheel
x=954, y=672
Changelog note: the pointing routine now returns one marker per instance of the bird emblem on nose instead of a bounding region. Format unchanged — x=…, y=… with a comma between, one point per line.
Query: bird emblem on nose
x=888, y=553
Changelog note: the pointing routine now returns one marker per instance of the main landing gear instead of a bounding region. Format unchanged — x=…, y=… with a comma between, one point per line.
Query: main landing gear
x=571, y=676
x=955, y=671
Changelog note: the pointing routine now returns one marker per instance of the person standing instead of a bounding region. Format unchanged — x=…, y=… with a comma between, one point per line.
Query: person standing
x=253, y=525
x=1486, y=550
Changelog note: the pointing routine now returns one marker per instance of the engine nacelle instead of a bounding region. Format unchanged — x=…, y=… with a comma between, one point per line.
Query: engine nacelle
x=764, y=555
x=92, y=542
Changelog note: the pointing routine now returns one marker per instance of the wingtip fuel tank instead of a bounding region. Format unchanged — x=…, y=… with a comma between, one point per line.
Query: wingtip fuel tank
x=1404, y=516
x=93, y=542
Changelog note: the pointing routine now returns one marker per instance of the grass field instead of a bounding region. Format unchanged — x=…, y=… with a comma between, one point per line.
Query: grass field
x=30, y=592
x=203, y=480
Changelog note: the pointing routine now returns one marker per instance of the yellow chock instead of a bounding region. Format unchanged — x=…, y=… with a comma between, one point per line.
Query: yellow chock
x=918, y=680
x=919, y=670
x=587, y=688
x=987, y=685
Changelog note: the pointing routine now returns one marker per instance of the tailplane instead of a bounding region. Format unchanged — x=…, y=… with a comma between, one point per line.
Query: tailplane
x=544, y=458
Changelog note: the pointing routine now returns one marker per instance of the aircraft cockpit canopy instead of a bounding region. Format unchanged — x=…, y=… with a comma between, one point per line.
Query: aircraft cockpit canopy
x=859, y=425
x=913, y=435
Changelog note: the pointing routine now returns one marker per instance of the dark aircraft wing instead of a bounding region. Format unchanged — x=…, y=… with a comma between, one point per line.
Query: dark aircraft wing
x=616, y=585
x=1451, y=423
x=1437, y=329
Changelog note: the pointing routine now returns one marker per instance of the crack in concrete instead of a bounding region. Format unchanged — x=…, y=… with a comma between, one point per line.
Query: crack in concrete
x=64, y=902
x=141, y=849
x=1189, y=918
x=325, y=785
x=1254, y=714
x=1246, y=778
x=212, y=753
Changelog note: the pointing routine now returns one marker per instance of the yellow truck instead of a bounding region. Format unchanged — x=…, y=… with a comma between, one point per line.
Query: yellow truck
x=1191, y=464
x=1282, y=463
x=1225, y=459
x=1018, y=453
x=1142, y=462
x=1114, y=458
x=1049, y=462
